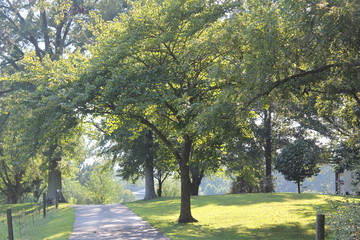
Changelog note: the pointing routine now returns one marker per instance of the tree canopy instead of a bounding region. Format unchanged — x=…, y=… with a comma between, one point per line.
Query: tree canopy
x=298, y=161
x=219, y=84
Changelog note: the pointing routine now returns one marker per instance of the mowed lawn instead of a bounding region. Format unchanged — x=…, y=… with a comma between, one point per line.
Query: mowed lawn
x=240, y=216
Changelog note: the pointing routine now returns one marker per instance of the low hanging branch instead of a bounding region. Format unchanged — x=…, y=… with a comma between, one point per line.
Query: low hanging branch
x=302, y=74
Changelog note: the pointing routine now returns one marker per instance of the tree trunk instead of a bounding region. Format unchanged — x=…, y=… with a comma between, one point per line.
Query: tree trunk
x=54, y=184
x=183, y=160
x=185, y=208
x=160, y=177
x=149, y=183
x=149, y=168
x=196, y=176
x=11, y=198
x=268, y=152
x=298, y=185
x=54, y=178
x=159, y=190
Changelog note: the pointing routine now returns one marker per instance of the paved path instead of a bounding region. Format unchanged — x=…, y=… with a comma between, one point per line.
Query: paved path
x=114, y=221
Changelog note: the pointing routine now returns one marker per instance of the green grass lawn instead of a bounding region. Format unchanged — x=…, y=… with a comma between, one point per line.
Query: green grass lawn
x=29, y=224
x=277, y=216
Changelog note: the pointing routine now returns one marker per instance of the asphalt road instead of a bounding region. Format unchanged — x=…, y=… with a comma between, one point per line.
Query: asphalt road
x=113, y=221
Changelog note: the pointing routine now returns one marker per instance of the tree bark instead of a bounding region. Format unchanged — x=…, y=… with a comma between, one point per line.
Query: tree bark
x=149, y=182
x=196, y=177
x=268, y=151
x=54, y=177
x=55, y=184
x=11, y=198
x=298, y=185
x=160, y=177
x=159, y=190
x=149, y=168
x=185, y=208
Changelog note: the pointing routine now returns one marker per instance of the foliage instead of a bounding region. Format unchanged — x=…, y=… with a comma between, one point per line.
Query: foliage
x=244, y=161
x=196, y=73
x=215, y=184
x=17, y=156
x=36, y=53
x=96, y=185
x=344, y=220
x=346, y=157
x=171, y=188
x=102, y=189
x=156, y=73
x=298, y=161
x=211, y=189
x=296, y=52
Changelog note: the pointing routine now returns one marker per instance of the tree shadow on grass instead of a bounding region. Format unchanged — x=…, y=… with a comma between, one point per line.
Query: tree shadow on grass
x=249, y=199
x=168, y=206
x=310, y=210
x=283, y=232
x=287, y=231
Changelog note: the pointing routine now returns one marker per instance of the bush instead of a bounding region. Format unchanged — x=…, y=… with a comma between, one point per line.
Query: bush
x=128, y=196
x=171, y=188
x=99, y=187
x=344, y=220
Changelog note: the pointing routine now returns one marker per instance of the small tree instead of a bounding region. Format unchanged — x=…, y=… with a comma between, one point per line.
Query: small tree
x=298, y=161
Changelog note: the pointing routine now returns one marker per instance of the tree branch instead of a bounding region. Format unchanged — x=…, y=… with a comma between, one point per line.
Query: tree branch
x=6, y=91
x=315, y=71
x=159, y=134
x=46, y=31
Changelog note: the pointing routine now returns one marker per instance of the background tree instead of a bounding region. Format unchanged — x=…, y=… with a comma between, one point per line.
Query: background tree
x=49, y=123
x=298, y=52
x=135, y=154
x=96, y=184
x=49, y=29
x=17, y=156
x=298, y=161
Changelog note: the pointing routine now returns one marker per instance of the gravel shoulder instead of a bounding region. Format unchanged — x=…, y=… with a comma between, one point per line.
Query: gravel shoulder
x=113, y=221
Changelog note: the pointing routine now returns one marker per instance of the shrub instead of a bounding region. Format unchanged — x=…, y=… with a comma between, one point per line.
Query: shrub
x=171, y=188
x=344, y=220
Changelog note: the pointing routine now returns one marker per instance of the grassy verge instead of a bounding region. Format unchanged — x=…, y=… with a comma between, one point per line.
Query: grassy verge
x=29, y=224
x=244, y=216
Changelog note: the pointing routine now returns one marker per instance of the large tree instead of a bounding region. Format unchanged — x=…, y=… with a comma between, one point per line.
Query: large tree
x=50, y=29
x=156, y=70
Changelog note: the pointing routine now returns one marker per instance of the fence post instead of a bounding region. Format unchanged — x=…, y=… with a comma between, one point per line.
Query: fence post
x=44, y=204
x=320, y=227
x=10, y=225
x=56, y=198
